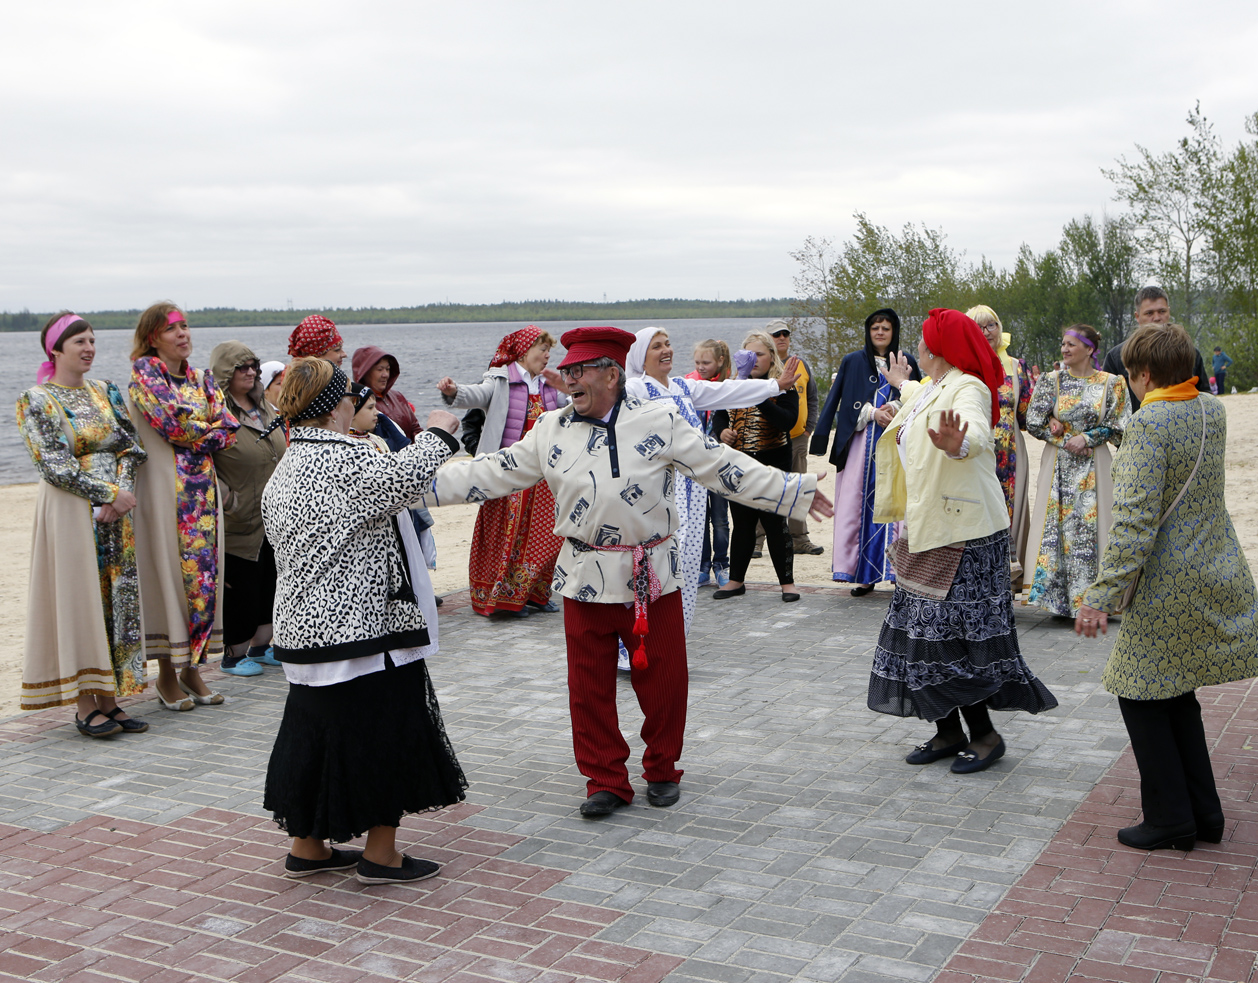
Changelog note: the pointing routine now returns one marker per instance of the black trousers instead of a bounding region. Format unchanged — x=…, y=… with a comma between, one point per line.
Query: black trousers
x=742, y=540
x=1169, y=741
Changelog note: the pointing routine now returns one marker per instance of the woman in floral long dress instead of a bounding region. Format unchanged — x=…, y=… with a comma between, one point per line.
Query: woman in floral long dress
x=83, y=617
x=1078, y=410
x=1011, y=463
x=182, y=419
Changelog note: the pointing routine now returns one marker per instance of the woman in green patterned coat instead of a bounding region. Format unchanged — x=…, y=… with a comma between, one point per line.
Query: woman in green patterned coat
x=1191, y=622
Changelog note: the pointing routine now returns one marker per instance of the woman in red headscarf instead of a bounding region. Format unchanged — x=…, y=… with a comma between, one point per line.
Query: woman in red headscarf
x=948, y=647
x=317, y=336
x=514, y=547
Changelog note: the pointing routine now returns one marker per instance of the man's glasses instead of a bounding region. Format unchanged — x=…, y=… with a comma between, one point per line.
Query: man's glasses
x=574, y=372
x=781, y=334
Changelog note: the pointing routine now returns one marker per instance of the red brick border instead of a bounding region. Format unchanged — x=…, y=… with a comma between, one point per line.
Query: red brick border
x=1090, y=909
x=204, y=898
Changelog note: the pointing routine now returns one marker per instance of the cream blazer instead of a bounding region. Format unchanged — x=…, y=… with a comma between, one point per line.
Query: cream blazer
x=942, y=500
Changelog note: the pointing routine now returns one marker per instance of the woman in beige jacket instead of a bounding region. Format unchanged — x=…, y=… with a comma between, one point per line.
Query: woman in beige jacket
x=948, y=647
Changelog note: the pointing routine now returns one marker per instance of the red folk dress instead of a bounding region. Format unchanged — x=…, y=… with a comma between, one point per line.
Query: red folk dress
x=514, y=546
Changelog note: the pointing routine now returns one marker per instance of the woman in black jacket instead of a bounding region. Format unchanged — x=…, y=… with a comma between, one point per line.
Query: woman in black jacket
x=764, y=433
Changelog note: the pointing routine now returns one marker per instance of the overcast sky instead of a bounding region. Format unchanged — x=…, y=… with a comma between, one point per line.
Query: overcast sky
x=376, y=153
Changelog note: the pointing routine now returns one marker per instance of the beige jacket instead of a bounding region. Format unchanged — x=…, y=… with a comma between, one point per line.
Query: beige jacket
x=942, y=500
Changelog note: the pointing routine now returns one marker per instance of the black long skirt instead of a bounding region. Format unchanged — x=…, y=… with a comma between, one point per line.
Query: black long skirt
x=935, y=655
x=361, y=753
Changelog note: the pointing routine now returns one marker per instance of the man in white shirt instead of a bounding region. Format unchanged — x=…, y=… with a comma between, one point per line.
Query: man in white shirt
x=609, y=460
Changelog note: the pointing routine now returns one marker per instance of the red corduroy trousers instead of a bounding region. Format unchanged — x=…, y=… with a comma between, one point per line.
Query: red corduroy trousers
x=592, y=631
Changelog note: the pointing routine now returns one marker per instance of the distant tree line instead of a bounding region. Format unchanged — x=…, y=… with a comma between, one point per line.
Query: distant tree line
x=533, y=310
x=1190, y=226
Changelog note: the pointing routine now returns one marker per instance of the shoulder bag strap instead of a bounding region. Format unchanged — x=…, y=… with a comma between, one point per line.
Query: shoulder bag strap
x=1200, y=454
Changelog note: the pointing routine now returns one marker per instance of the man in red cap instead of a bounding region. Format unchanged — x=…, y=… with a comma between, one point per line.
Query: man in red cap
x=609, y=460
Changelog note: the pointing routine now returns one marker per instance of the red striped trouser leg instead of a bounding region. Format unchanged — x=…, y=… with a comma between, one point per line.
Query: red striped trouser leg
x=663, y=687
x=601, y=752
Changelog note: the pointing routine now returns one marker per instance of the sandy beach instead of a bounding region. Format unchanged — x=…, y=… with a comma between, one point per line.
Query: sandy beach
x=454, y=525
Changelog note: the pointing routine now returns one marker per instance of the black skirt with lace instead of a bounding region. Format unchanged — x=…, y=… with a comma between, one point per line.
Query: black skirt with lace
x=361, y=753
x=936, y=655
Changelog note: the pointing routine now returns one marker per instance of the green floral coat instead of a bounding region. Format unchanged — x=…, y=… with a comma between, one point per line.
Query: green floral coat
x=1192, y=620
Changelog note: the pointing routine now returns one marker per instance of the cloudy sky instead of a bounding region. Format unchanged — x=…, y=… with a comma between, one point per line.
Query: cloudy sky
x=373, y=152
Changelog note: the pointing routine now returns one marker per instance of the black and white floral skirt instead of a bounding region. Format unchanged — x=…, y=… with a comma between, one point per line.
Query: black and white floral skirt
x=936, y=655
x=361, y=753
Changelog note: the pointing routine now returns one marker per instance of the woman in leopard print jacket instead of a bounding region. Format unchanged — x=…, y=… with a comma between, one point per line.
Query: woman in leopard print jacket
x=362, y=741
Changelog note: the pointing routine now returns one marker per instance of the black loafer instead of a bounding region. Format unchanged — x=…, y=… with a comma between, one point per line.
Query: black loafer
x=106, y=728
x=788, y=598
x=968, y=762
x=412, y=869
x=720, y=595
x=662, y=794
x=862, y=590
x=602, y=804
x=924, y=754
x=340, y=860
x=1146, y=837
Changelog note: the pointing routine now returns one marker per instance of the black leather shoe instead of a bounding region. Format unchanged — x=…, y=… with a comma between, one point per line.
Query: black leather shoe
x=1210, y=828
x=862, y=590
x=1146, y=837
x=337, y=860
x=720, y=595
x=602, y=804
x=662, y=794
x=968, y=762
x=924, y=754
x=788, y=597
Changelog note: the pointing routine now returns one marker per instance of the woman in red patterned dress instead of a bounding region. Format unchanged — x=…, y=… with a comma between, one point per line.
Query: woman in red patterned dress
x=514, y=546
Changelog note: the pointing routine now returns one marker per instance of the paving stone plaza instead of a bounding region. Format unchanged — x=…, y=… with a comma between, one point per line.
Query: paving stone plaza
x=803, y=848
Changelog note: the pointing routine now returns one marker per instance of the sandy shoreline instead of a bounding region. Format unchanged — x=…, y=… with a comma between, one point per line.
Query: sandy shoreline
x=454, y=525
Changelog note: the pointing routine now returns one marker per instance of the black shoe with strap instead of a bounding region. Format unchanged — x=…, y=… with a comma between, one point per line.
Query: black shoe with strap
x=129, y=726
x=602, y=803
x=106, y=727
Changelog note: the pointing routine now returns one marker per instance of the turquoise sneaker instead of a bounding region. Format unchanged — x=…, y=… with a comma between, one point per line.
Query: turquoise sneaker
x=269, y=658
x=245, y=667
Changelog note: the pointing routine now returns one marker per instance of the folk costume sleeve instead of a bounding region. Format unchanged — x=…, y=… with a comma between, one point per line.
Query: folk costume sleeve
x=1116, y=417
x=39, y=420
x=495, y=475
x=1024, y=393
x=205, y=423
x=1043, y=405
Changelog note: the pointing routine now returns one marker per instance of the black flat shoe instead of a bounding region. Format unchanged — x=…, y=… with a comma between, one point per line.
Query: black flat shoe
x=131, y=725
x=338, y=860
x=720, y=595
x=788, y=597
x=924, y=754
x=1146, y=837
x=106, y=728
x=968, y=762
x=862, y=590
x=602, y=804
x=412, y=869
x=662, y=794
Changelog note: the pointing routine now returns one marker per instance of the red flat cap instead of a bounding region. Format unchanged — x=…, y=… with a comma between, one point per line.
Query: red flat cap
x=587, y=344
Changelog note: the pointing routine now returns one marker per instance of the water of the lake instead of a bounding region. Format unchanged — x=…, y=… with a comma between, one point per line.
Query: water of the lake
x=426, y=353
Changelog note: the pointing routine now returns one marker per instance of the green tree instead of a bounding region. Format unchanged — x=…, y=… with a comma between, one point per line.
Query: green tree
x=1172, y=197
x=1104, y=256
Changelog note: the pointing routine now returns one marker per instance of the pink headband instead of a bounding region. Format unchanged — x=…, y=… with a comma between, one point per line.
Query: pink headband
x=174, y=317
x=1088, y=342
x=48, y=369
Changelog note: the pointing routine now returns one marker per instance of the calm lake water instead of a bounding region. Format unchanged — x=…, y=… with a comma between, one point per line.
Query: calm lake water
x=426, y=352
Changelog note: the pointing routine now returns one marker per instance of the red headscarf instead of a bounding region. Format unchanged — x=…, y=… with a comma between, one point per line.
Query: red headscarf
x=515, y=346
x=314, y=336
x=960, y=341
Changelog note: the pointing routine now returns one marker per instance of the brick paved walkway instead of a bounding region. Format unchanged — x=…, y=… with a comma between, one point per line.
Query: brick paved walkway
x=803, y=847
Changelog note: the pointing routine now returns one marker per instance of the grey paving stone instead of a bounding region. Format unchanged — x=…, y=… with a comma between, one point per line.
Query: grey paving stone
x=803, y=847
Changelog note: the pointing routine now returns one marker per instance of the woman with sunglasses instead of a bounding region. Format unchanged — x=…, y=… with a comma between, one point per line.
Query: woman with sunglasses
x=243, y=471
x=361, y=742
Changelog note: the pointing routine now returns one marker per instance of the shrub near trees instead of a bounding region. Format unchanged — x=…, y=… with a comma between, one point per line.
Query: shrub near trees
x=1191, y=226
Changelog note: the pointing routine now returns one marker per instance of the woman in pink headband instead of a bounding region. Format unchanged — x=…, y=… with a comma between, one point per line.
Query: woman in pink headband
x=83, y=619
x=182, y=419
x=1078, y=411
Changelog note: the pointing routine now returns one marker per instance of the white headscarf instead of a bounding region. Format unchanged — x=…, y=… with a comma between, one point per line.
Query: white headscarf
x=635, y=361
x=268, y=371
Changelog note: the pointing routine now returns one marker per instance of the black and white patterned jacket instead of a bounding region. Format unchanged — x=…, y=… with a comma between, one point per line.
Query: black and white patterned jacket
x=343, y=591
